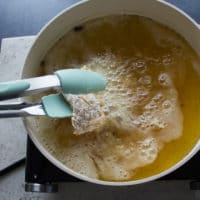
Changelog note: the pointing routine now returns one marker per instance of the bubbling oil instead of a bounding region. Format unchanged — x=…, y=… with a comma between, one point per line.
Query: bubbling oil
x=151, y=103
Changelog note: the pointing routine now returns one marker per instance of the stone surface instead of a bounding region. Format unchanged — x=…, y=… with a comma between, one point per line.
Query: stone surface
x=12, y=131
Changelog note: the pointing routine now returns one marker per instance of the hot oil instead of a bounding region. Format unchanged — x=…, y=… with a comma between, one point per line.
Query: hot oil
x=143, y=62
x=189, y=98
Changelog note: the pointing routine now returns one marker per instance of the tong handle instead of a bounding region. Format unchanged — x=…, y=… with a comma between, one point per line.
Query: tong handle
x=12, y=88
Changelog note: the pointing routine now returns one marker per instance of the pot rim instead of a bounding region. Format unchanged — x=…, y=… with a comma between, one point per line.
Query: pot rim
x=63, y=167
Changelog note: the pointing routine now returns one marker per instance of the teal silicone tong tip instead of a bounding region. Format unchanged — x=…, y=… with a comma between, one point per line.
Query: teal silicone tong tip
x=77, y=81
x=55, y=106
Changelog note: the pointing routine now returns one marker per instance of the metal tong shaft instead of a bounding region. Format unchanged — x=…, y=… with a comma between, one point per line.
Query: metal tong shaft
x=20, y=109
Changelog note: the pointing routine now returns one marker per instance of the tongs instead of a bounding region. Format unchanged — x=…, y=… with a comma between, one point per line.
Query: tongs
x=73, y=81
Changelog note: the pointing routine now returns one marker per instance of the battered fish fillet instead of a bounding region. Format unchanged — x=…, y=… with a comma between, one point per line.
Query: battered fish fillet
x=87, y=113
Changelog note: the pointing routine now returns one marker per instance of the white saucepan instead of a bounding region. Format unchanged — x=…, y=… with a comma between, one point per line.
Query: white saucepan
x=160, y=11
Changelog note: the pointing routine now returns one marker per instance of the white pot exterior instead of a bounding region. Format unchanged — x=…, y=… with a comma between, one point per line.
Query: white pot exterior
x=157, y=10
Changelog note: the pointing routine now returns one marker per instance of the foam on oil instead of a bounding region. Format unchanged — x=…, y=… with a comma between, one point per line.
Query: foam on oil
x=151, y=101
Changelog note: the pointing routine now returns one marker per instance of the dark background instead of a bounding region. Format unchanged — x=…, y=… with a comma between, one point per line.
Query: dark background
x=26, y=17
